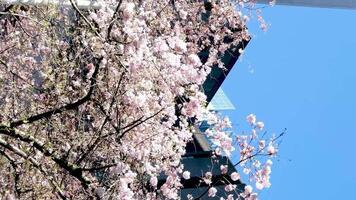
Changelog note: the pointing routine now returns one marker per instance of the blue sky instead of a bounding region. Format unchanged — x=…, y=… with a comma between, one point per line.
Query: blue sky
x=301, y=75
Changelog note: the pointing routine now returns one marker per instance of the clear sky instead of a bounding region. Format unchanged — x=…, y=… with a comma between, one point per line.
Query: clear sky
x=301, y=75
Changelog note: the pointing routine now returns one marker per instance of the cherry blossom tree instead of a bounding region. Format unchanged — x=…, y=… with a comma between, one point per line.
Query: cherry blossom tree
x=97, y=102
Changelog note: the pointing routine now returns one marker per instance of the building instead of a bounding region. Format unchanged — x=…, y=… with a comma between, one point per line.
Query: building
x=197, y=159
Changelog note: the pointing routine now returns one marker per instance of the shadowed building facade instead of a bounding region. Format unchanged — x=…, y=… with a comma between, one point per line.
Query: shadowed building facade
x=198, y=158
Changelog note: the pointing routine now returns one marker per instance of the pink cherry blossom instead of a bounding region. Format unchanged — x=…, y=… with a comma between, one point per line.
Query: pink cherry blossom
x=128, y=9
x=260, y=125
x=153, y=181
x=186, y=175
x=194, y=60
x=235, y=176
x=223, y=169
x=212, y=192
x=230, y=187
x=248, y=189
x=261, y=144
x=271, y=150
x=269, y=162
x=230, y=197
x=207, y=178
x=251, y=119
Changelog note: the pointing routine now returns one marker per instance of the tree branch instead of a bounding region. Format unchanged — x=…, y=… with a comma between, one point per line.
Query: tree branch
x=70, y=106
x=113, y=19
x=34, y=162
x=239, y=162
x=137, y=123
x=48, y=152
x=100, y=168
x=16, y=173
x=74, y=5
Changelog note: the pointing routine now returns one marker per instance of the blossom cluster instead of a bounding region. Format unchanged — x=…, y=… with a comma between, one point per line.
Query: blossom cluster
x=100, y=102
x=255, y=156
